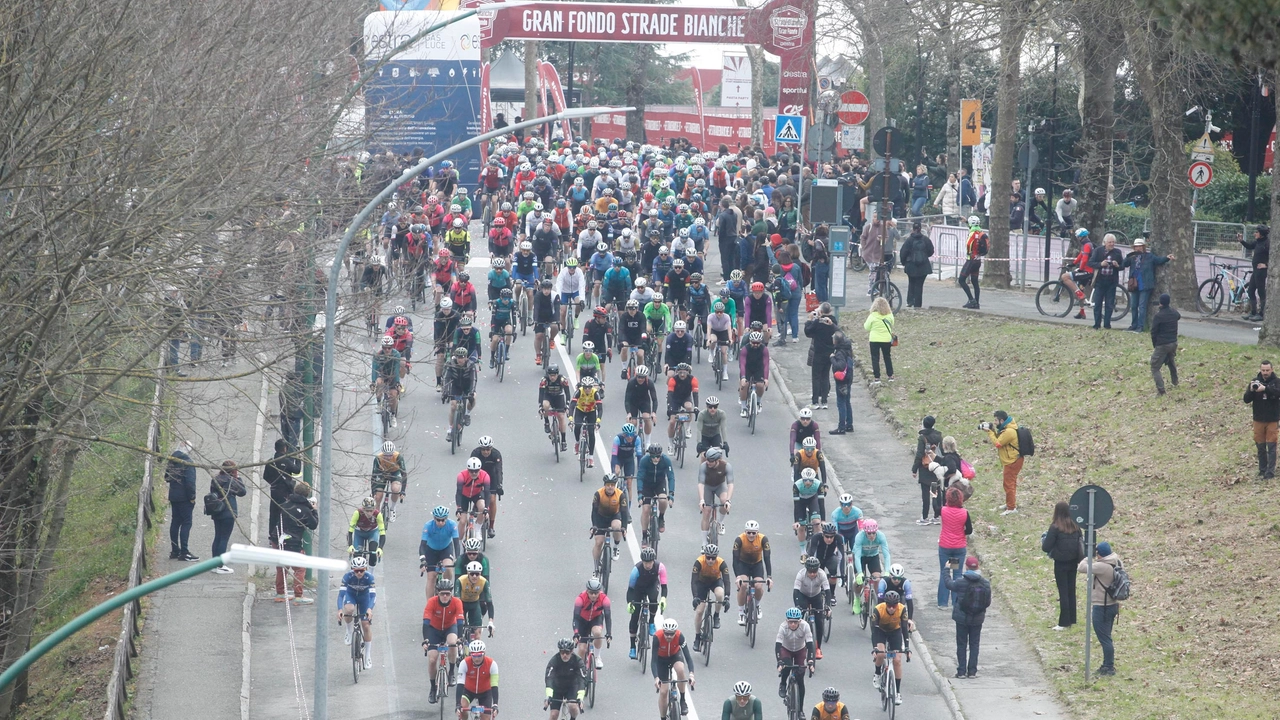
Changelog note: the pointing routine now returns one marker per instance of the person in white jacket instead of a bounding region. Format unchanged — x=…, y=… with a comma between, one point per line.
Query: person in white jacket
x=948, y=200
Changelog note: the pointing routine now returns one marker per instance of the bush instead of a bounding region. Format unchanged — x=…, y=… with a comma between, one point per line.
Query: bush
x=1129, y=220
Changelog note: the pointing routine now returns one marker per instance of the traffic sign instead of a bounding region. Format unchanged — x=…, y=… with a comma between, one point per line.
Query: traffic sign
x=1028, y=155
x=1200, y=174
x=821, y=139
x=854, y=108
x=888, y=141
x=788, y=129
x=1202, y=148
x=1103, y=507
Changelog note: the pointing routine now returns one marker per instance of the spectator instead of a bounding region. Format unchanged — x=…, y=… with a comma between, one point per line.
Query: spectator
x=975, y=247
x=1142, y=267
x=1004, y=436
x=1264, y=394
x=916, y=251
x=1261, y=247
x=228, y=486
x=879, y=324
x=972, y=598
x=788, y=218
x=948, y=200
x=1017, y=211
x=968, y=198
x=879, y=238
x=180, y=474
x=820, y=262
x=1064, y=543
x=278, y=474
x=842, y=371
x=499, y=121
x=928, y=441
x=792, y=287
x=1164, y=341
x=952, y=543
x=820, y=328
x=919, y=190
x=727, y=237
x=1105, y=608
x=291, y=406
x=1107, y=261
x=298, y=517
x=945, y=466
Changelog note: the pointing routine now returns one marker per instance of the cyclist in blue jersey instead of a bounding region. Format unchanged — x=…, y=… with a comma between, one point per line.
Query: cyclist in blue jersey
x=356, y=599
x=869, y=544
x=524, y=269
x=439, y=537
x=896, y=581
x=848, y=520
x=650, y=487
x=622, y=458
x=617, y=285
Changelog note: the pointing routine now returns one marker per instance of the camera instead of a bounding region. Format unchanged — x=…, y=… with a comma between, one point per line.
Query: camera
x=1255, y=385
x=984, y=426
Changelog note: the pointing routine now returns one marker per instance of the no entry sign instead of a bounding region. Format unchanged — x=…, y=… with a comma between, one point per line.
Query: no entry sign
x=1200, y=174
x=854, y=108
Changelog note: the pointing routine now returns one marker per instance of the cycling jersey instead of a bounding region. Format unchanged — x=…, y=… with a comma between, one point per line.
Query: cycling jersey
x=386, y=365
x=794, y=640
x=358, y=586
x=499, y=279
x=649, y=476
x=865, y=547
x=569, y=281
x=630, y=327
x=473, y=589
x=820, y=712
x=458, y=240
x=586, y=399
x=669, y=645
x=624, y=446
x=811, y=586
x=753, y=362
x=641, y=397
x=889, y=619
x=503, y=311
x=801, y=430
x=587, y=609
x=524, y=266
x=554, y=392
x=458, y=380
x=365, y=523
x=806, y=488
x=715, y=475
x=473, y=487
x=440, y=537
x=478, y=678
x=607, y=505
x=588, y=365
x=847, y=522
x=598, y=332
x=445, y=324
x=643, y=580
x=617, y=281
x=442, y=617
x=698, y=299
x=901, y=586
x=403, y=341
x=719, y=322
x=680, y=390
x=545, y=306
x=710, y=570
x=811, y=459
x=750, y=551
x=679, y=349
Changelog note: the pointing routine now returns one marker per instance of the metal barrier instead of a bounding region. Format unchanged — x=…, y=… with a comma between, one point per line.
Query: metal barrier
x=1215, y=238
x=126, y=646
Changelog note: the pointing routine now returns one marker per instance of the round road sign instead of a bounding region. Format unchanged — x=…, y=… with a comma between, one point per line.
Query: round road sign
x=1200, y=174
x=1102, y=506
x=854, y=108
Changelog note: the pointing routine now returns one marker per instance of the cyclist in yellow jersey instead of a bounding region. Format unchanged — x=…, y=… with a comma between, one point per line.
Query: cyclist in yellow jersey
x=751, y=564
x=367, y=531
x=710, y=574
x=889, y=627
x=477, y=599
x=830, y=708
x=588, y=403
x=607, y=516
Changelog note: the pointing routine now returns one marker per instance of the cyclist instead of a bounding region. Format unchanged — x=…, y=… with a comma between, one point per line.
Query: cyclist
x=546, y=240
x=500, y=239
x=698, y=298
x=677, y=282
x=468, y=336
x=753, y=369
x=607, y=515
x=553, y=397
x=887, y=630
x=356, y=598
x=385, y=375
x=641, y=399
x=711, y=427
x=736, y=289
x=477, y=682
x=646, y=587
x=477, y=599
x=678, y=348
x=446, y=323
x=671, y=656
x=1081, y=276
x=803, y=428
x=830, y=552
x=682, y=397
x=546, y=310
x=794, y=651
x=374, y=278
x=616, y=284
x=458, y=241
x=809, y=593
x=501, y=324
x=436, y=549
x=649, y=481
x=757, y=306
x=631, y=335
x=441, y=626
x=367, y=529
x=403, y=337
x=463, y=294
x=752, y=564
x=388, y=470
x=643, y=294
x=830, y=708
x=491, y=462
x=896, y=581
x=499, y=278
x=868, y=546
x=442, y=274
x=600, y=262
x=743, y=705
x=588, y=362
x=592, y=619
x=524, y=269
x=715, y=481
x=848, y=520
x=710, y=576
x=491, y=180
x=661, y=266
x=807, y=455
x=622, y=458
x=564, y=680
x=658, y=315
x=507, y=212
x=599, y=333
x=570, y=282
x=459, y=383
x=588, y=406
x=471, y=553
x=806, y=499
x=721, y=334
x=473, y=490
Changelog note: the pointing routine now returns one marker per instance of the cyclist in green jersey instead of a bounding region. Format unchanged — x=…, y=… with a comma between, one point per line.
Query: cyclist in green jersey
x=659, y=317
x=588, y=363
x=503, y=314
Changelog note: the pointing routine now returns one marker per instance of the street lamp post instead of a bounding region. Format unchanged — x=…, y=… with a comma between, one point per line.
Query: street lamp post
x=326, y=402
x=238, y=554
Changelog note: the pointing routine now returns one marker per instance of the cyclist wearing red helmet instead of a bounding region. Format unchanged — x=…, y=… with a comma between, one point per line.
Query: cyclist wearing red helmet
x=758, y=307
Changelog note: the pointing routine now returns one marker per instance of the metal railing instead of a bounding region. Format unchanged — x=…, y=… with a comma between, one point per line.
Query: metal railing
x=1215, y=238
x=126, y=646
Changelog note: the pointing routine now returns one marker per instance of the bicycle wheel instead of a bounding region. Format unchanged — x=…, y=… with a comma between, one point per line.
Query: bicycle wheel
x=1054, y=299
x=502, y=361
x=753, y=409
x=524, y=313
x=894, y=296
x=582, y=459
x=593, y=677
x=751, y=621
x=357, y=651
x=1123, y=299
x=707, y=631
x=442, y=681
x=856, y=262
x=642, y=640
x=794, y=711
x=864, y=616
x=826, y=627
x=386, y=418
x=555, y=439
x=653, y=525
x=546, y=350
x=699, y=339
x=717, y=367
x=1210, y=297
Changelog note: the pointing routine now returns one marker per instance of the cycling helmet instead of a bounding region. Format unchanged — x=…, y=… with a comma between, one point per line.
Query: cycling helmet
x=892, y=598
x=446, y=164
x=472, y=545
x=505, y=292
x=690, y=252
x=810, y=443
x=700, y=221
x=664, y=250
x=669, y=625
x=742, y=688
x=752, y=526
x=710, y=550
x=588, y=381
x=440, y=513
x=444, y=584
x=974, y=221
x=633, y=304
x=680, y=324
x=657, y=297
x=474, y=567
x=462, y=191
x=593, y=584
x=718, y=307
x=713, y=401
x=846, y=499
x=399, y=310
x=499, y=263
x=1082, y=233
x=641, y=282
x=655, y=449
x=695, y=277
x=735, y=275
x=610, y=479
x=601, y=247
x=684, y=232
x=677, y=264
x=714, y=453
x=455, y=208
x=368, y=503
x=565, y=645
x=683, y=367
x=828, y=528
x=446, y=303
x=599, y=312
x=643, y=371
x=757, y=287
x=388, y=447
x=806, y=413
x=476, y=647
x=870, y=526
x=756, y=338
x=812, y=563
x=359, y=563
x=546, y=284
x=571, y=262
x=388, y=341
x=526, y=245
x=808, y=474
x=617, y=262
x=401, y=321
x=628, y=429
x=830, y=695
x=897, y=571
x=588, y=347
x=794, y=614
x=757, y=326
x=506, y=207
x=553, y=369
x=648, y=554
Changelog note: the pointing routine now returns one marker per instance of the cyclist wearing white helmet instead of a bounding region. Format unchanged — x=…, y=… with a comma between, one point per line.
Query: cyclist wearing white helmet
x=473, y=490
x=711, y=427
x=478, y=681
x=752, y=564
x=386, y=367
x=389, y=473
x=445, y=324
x=491, y=462
x=476, y=595
x=588, y=406
x=357, y=597
x=896, y=580
x=975, y=248
x=670, y=657
x=715, y=489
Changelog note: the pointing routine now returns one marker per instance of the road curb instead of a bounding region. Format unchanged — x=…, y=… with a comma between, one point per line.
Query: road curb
x=246, y=627
x=939, y=682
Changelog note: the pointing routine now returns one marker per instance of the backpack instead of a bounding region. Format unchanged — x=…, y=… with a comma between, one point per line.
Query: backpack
x=1026, y=446
x=789, y=280
x=983, y=248
x=1119, y=588
x=977, y=599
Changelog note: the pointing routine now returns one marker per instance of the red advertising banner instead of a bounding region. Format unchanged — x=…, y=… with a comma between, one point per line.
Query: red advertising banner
x=486, y=108
x=662, y=126
x=557, y=94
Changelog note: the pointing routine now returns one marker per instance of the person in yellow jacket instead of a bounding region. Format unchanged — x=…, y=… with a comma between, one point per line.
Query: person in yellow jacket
x=879, y=325
x=1004, y=436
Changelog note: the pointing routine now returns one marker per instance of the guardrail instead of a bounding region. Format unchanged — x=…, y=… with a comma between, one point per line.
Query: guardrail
x=126, y=646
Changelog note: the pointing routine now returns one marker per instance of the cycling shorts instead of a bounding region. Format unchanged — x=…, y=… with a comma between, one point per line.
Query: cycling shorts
x=649, y=493
x=363, y=603
x=702, y=588
x=804, y=508
x=567, y=297
x=582, y=626
x=437, y=557
x=676, y=405
x=1082, y=277
x=892, y=639
x=871, y=564
x=436, y=637
x=525, y=279
x=560, y=695
x=753, y=570
x=722, y=336
x=474, y=612
x=464, y=503
x=484, y=699
x=540, y=328
x=628, y=465
x=712, y=493
x=602, y=522
x=557, y=403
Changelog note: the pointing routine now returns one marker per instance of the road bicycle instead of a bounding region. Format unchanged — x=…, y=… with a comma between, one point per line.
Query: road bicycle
x=357, y=648
x=717, y=365
x=707, y=630
x=588, y=431
x=570, y=322
x=850, y=571
x=445, y=672
x=673, y=694
x=605, y=564
x=680, y=442
x=1055, y=299
x=889, y=697
x=699, y=338
x=591, y=675
x=714, y=526
x=1225, y=287
x=752, y=610
x=753, y=407
x=552, y=421
x=864, y=612
x=476, y=526
x=383, y=400
x=653, y=530
x=791, y=693
x=500, y=357
x=643, y=634
x=883, y=287
x=522, y=307
x=457, y=421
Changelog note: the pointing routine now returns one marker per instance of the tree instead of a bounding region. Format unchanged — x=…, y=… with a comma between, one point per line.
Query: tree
x=1014, y=18
x=1096, y=48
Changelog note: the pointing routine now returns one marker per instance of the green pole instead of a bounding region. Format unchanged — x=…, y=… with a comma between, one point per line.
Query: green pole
x=309, y=372
x=94, y=613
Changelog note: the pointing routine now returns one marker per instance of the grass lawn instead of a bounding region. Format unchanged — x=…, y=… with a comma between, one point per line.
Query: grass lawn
x=1181, y=469
x=90, y=565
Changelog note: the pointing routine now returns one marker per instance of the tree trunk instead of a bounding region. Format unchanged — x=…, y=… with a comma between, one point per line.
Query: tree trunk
x=952, y=49
x=1013, y=29
x=1098, y=52
x=531, y=82
x=1163, y=71
x=636, y=85
x=867, y=17
x=756, y=57
x=1270, y=334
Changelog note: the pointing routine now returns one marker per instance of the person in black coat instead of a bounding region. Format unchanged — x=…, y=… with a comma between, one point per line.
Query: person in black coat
x=180, y=474
x=228, y=486
x=1261, y=247
x=1263, y=394
x=928, y=444
x=279, y=475
x=842, y=371
x=820, y=328
x=298, y=515
x=1064, y=543
x=968, y=624
x=1164, y=343
x=915, y=254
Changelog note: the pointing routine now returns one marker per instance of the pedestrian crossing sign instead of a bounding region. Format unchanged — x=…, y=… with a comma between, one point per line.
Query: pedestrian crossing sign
x=788, y=129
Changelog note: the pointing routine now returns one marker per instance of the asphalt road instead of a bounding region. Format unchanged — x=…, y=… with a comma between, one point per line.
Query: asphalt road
x=541, y=558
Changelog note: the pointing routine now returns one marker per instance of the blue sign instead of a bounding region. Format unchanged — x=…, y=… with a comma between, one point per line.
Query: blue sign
x=788, y=129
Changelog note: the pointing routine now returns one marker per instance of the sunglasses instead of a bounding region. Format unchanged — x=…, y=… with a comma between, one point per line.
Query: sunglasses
x=358, y=571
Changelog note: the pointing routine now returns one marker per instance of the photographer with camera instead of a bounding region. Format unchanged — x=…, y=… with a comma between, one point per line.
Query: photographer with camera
x=1003, y=434
x=1264, y=394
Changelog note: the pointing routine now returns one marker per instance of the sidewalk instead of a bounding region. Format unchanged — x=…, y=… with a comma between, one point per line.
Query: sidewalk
x=873, y=465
